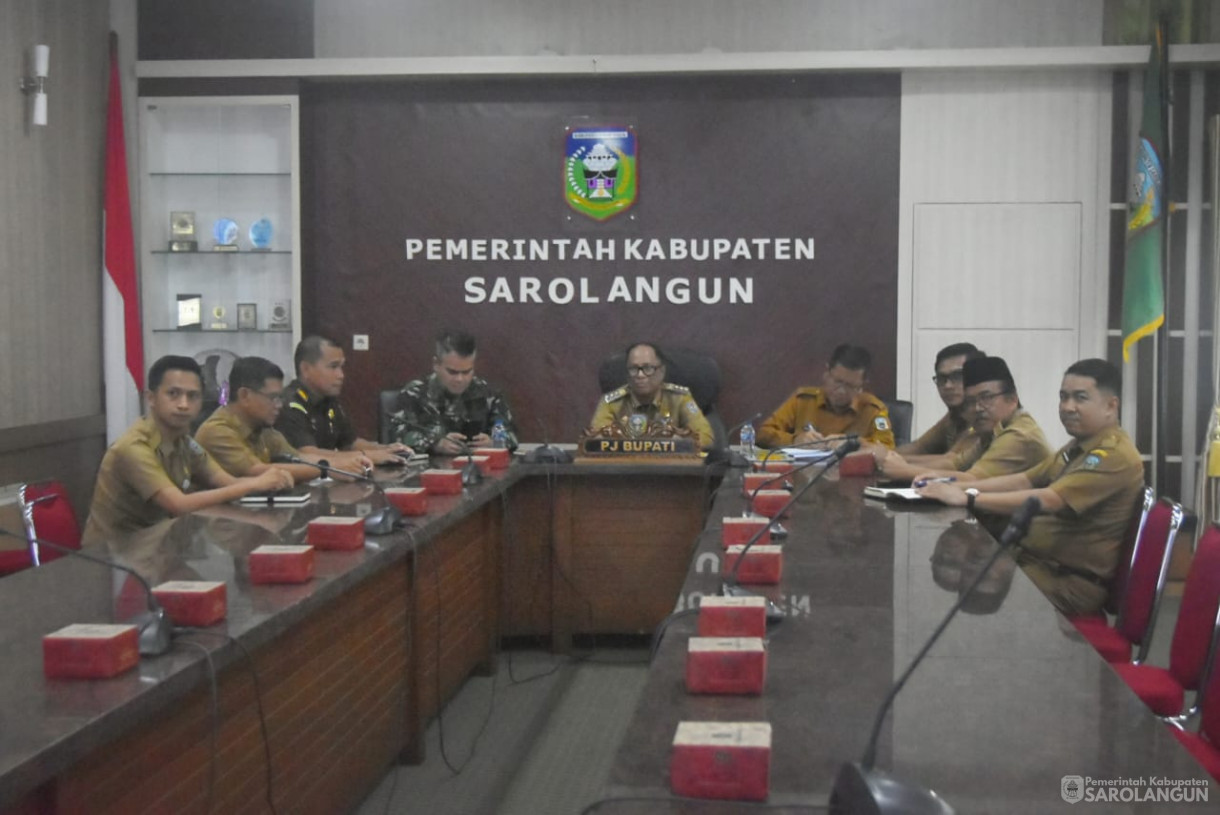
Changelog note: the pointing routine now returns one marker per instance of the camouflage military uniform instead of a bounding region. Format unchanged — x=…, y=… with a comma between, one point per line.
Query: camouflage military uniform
x=673, y=404
x=427, y=413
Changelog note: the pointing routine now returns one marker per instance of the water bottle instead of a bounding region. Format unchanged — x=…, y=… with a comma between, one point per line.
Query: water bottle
x=747, y=440
x=499, y=436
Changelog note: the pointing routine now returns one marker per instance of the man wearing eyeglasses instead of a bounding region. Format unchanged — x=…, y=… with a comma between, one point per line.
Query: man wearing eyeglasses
x=954, y=428
x=1010, y=439
x=648, y=402
x=839, y=406
x=241, y=436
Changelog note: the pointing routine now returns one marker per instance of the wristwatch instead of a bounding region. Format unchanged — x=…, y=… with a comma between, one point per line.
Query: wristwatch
x=971, y=494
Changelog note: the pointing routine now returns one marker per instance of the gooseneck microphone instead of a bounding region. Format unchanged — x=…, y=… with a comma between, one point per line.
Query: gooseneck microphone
x=382, y=521
x=836, y=455
x=547, y=454
x=859, y=787
x=726, y=454
x=729, y=586
x=154, y=625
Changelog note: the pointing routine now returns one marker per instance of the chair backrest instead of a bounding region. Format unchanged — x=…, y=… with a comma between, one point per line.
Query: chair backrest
x=901, y=413
x=692, y=369
x=48, y=516
x=1196, y=627
x=1118, y=586
x=1149, y=569
x=387, y=403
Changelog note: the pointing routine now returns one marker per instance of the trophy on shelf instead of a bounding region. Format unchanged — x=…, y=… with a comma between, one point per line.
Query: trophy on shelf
x=218, y=319
x=281, y=316
x=189, y=312
x=182, y=232
x=224, y=232
x=260, y=235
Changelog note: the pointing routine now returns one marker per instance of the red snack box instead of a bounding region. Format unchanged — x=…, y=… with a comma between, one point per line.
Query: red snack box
x=762, y=565
x=193, y=602
x=732, y=616
x=442, y=482
x=737, y=530
x=90, y=651
x=766, y=481
x=724, y=760
x=481, y=461
x=409, y=500
x=770, y=502
x=281, y=564
x=775, y=465
x=726, y=665
x=858, y=464
x=344, y=533
x=499, y=457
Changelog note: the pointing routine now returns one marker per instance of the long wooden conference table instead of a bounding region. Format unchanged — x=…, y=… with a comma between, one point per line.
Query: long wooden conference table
x=345, y=671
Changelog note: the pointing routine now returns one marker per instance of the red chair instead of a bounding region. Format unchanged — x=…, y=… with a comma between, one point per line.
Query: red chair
x=1193, y=635
x=48, y=516
x=1205, y=744
x=1141, y=593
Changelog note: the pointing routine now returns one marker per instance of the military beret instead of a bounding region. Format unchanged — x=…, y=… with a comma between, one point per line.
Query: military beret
x=986, y=369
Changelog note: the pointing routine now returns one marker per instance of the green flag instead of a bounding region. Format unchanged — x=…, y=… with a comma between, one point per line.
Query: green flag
x=1143, y=292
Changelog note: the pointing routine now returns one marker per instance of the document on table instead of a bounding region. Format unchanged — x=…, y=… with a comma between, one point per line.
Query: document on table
x=894, y=494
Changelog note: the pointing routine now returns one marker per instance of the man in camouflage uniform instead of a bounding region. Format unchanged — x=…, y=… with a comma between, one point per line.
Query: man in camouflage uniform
x=1088, y=490
x=839, y=406
x=453, y=409
x=647, y=401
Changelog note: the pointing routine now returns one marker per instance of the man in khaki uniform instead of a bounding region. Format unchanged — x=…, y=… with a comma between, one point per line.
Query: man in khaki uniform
x=1009, y=440
x=953, y=432
x=839, y=406
x=1088, y=491
x=647, y=401
x=154, y=470
x=240, y=435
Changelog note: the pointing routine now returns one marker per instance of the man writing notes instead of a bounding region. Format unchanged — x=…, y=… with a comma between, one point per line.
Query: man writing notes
x=839, y=406
x=453, y=409
x=1088, y=490
x=647, y=401
x=313, y=420
x=1009, y=440
x=155, y=470
x=240, y=435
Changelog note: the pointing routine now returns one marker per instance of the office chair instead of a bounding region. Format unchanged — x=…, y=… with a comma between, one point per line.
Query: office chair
x=901, y=413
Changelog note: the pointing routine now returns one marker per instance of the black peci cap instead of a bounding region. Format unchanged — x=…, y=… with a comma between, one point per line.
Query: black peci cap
x=986, y=369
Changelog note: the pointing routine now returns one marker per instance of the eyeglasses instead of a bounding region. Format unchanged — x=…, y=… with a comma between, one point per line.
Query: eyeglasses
x=944, y=379
x=838, y=384
x=642, y=370
x=983, y=400
x=274, y=398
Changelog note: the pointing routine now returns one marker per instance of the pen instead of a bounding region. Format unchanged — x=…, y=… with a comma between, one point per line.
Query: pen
x=926, y=481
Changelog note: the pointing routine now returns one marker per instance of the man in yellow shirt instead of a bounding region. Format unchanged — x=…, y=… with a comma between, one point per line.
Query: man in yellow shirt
x=647, y=402
x=839, y=406
x=953, y=431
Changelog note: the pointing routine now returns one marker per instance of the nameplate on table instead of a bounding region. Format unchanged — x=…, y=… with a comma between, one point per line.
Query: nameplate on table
x=638, y=447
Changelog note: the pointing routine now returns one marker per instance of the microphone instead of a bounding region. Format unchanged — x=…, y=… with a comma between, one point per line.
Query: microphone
x=471, y=474
x=729, y=586
x=726, y=454
x=546, y=454
x=154, y=624
x=861, y=788
x=379, y=522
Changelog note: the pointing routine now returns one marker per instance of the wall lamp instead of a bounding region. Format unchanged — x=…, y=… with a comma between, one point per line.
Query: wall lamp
x=36, y=84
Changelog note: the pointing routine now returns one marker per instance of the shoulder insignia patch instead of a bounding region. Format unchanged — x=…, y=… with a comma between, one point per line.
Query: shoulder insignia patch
x=615, y=395
x=672, y=388
x=1092, y=460
x=881, y=423
x=298, y=406
x=194, y=445
x=692, y=408
x=304, y=396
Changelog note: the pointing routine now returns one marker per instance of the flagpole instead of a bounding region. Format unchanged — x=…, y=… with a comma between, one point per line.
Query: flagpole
x=1160, y=480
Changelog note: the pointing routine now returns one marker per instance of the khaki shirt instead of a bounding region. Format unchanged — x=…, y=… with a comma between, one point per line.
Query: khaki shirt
x=237, y=447
x=867, y=417
x=942, y=437
x=672, y=404
x=134, y=469
x=1014, y=447
x=1099, y=479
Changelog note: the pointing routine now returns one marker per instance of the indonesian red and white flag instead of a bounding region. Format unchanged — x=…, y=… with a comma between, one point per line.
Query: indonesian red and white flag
x=122, y=339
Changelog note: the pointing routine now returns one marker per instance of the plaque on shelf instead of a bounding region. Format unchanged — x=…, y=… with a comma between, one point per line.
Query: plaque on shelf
x=224, y=232
x=281, y=316
x=247, y=316
x=190, y=312
x=218, y=319
x=260, y=235
x=182, y=232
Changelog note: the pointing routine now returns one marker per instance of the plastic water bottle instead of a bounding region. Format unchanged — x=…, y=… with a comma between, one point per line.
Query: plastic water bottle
x=499, y=436
x=747, y=440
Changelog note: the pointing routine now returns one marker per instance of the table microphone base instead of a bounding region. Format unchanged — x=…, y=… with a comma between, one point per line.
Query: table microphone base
x=471, y=475
x=155, y=630
x=860, y=791
x=775, y=614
